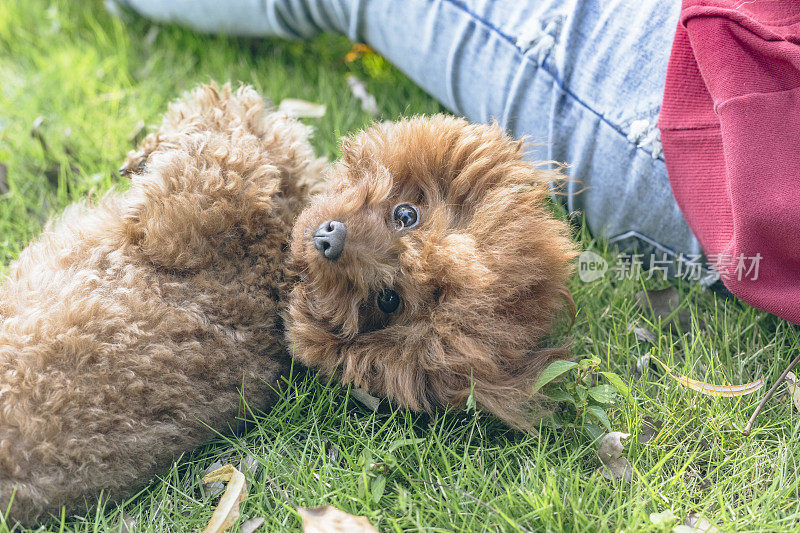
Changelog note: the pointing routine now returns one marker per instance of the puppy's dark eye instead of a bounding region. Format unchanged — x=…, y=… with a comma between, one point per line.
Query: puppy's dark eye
x=388, y=301
x=406, y=216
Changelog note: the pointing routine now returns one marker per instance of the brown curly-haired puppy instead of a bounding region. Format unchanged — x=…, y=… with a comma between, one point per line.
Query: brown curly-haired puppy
x=431, y=268
x=129, y=328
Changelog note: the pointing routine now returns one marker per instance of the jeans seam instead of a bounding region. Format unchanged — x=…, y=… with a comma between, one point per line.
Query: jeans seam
x=459, y=4
x=641, y=236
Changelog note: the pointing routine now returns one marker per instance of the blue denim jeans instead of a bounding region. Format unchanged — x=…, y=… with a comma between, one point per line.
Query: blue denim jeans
x=583, y=79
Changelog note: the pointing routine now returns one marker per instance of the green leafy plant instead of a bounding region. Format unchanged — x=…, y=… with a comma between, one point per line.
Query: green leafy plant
x=582, y=394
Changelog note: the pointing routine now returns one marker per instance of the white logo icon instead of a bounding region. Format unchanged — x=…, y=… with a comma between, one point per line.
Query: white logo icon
x=591, y=267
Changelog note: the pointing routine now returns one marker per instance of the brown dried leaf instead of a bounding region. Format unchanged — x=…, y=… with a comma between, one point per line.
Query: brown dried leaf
x=215, y=487
x=252, y=525
x=227, y=512
x=709, y=389
x=358, y=50
x=645, y=335
x=610, y=453
x=650, y=429
x=663, y=303
x=726, y=391
x=365, y=398
x=329, y=519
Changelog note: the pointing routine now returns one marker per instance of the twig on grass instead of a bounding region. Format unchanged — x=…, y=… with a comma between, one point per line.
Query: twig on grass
x=769, y=394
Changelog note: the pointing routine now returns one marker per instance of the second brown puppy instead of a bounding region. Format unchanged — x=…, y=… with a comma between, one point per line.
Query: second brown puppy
x=432, y=268
x=131, y=329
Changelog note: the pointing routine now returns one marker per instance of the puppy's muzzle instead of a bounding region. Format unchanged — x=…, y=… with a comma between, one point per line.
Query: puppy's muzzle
x=329, y=239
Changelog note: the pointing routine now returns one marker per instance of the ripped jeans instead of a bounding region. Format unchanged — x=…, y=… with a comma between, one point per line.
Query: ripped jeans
x=583, y=79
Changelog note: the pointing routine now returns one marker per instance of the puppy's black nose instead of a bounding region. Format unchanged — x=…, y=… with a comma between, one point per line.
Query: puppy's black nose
x=329, y=239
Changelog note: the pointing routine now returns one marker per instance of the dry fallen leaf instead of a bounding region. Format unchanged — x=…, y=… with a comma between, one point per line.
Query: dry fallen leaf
x=253, y=524
x=227, y=512
x=214, y=487
x=301, y=108
x=650, y=429
x=695, y=523
x=329, y=519
x=365, y=398
x=610, y=453
x=794, y=390
x=710, y=389
x=359, y=90
x=644, y=335
x=663, y=304
x=358, y=50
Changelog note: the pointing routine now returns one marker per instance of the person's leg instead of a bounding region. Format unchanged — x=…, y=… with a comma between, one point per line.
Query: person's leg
x=289, y=19
x=581, y=78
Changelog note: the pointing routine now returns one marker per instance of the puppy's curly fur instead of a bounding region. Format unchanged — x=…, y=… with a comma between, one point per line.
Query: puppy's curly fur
x=481, y=275
x=129, y=328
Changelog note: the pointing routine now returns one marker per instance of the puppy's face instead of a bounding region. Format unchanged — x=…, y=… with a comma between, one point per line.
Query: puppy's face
x=431, y=268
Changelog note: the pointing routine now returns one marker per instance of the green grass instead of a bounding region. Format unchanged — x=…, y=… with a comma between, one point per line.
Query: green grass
x=92, y=78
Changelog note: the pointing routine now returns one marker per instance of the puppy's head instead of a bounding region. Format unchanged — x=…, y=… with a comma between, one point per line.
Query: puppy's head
x=431, y=268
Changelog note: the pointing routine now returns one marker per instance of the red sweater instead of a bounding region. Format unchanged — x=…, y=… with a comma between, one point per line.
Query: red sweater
x=730, y=127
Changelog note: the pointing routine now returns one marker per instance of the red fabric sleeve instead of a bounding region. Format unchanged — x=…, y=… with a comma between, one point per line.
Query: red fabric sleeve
x=730, y=128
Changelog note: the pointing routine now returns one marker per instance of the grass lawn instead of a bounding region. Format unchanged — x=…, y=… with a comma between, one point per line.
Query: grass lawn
x=92, y=78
